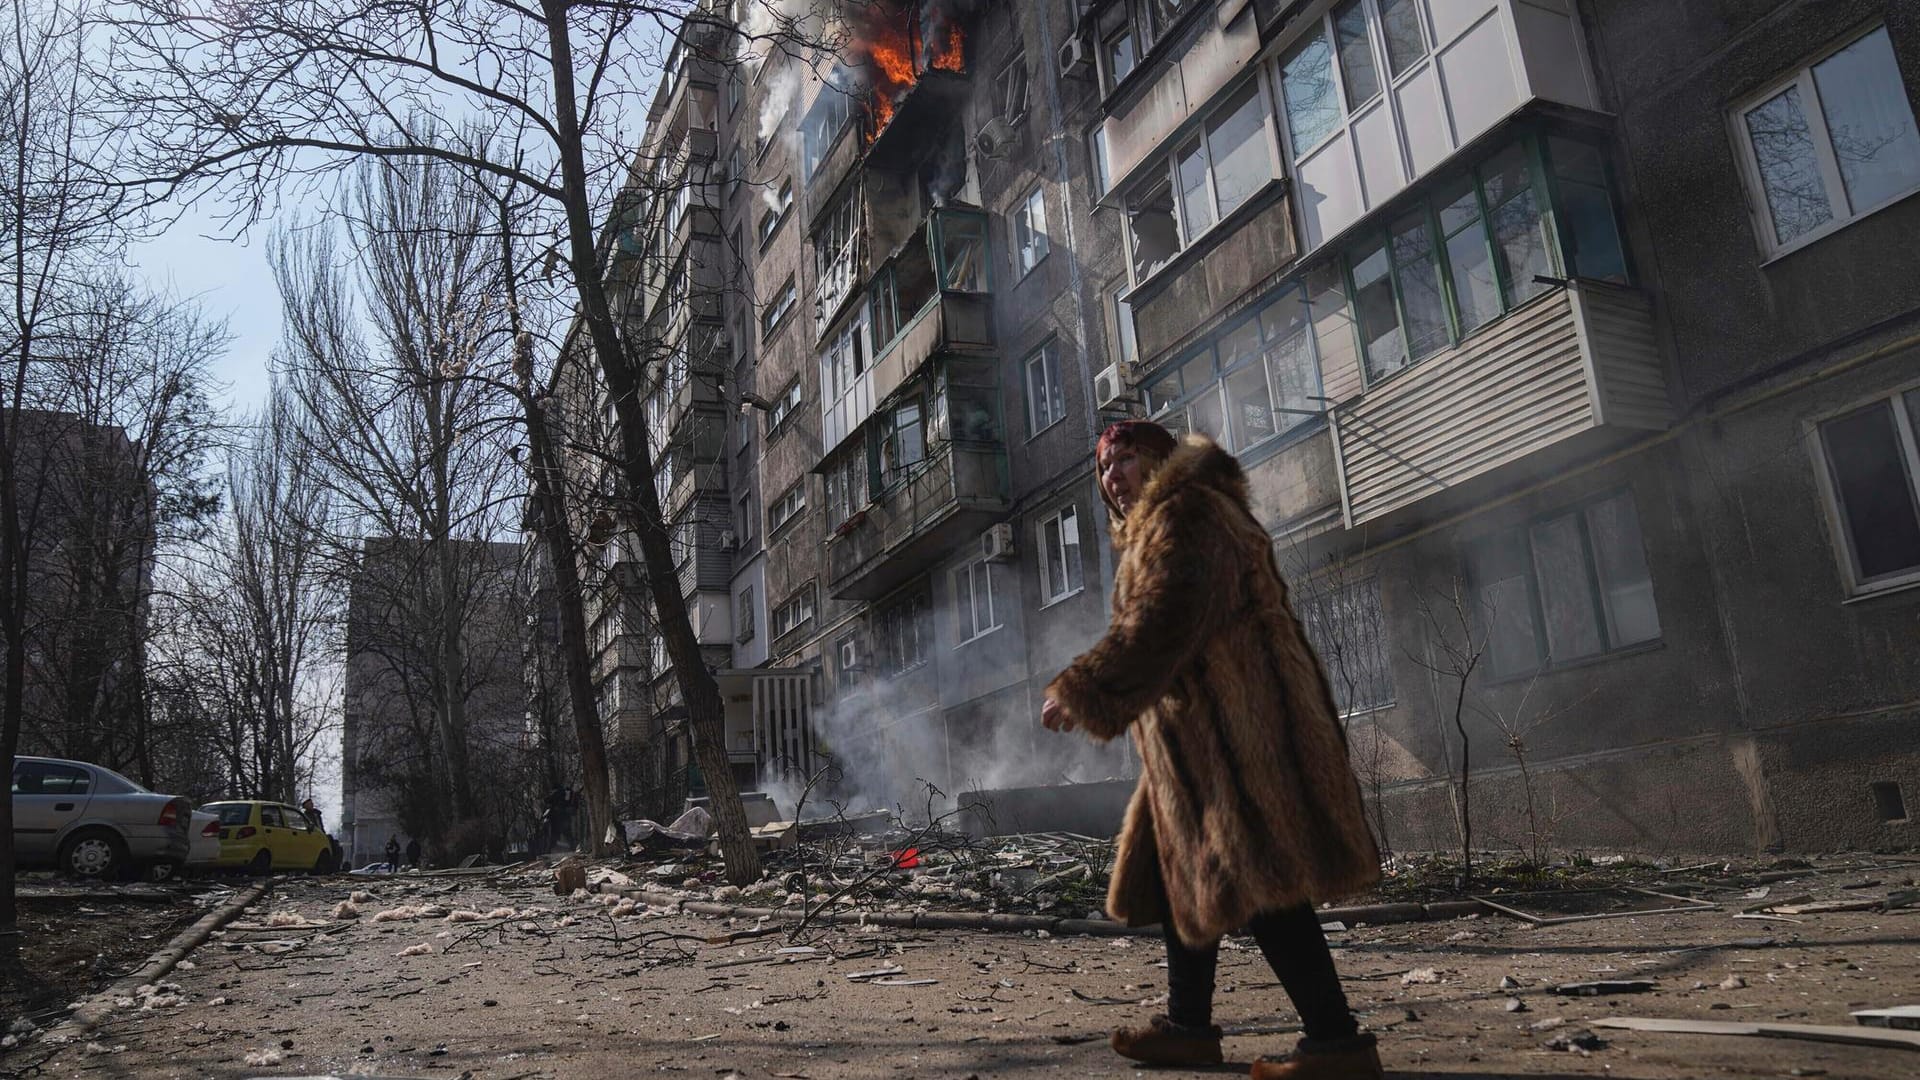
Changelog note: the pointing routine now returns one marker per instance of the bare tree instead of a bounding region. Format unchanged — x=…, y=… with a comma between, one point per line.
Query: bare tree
x=59, y=224
x=253, y=619
x=412, y=444
x=263, y=93
x=1456, y=641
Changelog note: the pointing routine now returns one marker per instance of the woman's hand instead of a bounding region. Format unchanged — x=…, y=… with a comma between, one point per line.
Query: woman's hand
x=1055, y=718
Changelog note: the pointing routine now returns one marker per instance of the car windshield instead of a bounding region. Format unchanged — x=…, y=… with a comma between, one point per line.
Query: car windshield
x=233, y=813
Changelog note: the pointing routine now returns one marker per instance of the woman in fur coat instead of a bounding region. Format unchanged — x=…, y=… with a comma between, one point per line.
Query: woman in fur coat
x=1247, y=810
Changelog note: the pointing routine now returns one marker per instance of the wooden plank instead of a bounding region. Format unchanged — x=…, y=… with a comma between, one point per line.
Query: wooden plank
x=1834, y=1033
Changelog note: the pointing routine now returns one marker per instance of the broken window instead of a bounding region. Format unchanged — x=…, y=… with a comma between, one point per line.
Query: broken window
x=1873, y=472
x=1258, y=378
x=903, y=443
x=1345, y=624
x=1153, y=237
x=1564, y=588
x=834, y=244
x=1030, y=232
x=906, y=633
x=1013, y=84
x=1046, y=394
x=963, y=251
x=823, y=125
x=1060, y=571
x=846, y=482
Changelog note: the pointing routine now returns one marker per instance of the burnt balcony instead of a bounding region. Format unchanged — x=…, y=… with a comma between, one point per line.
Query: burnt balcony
x=1572, y=372
x=951, y=497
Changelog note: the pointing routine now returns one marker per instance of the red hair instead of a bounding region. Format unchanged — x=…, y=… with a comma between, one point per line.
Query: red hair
x=1142, y=436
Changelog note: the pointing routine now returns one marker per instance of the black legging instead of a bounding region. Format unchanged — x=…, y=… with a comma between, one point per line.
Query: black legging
x=1296, y=948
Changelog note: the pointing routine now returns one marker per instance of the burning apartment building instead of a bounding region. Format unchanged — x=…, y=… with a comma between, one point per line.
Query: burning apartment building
x=1581, y=414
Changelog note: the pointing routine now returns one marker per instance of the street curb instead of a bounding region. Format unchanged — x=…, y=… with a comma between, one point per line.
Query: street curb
x=98, y=1007
x=1371, y=914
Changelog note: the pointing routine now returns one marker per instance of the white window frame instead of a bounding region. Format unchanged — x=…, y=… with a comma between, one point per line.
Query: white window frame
x=778, y=309
x=964, y=578
x=1098, y=158
x=1048, y=356
x=794, y=613
x=1030, y=218
x=774, y=216
x=1830, y=495
x=787, y=509
x=785, y=406
x=1837, y=201
x=1048, y=595
x=743, y=623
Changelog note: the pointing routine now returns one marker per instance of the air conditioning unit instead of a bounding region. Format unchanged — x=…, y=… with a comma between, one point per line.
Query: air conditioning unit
x=728, y=541
x=1076, y=58
x=995, y=138
x=852, y=656
x=997, y=542
x=1110, y=388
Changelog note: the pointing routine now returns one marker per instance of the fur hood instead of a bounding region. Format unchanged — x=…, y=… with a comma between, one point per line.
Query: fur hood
x=1246, y=801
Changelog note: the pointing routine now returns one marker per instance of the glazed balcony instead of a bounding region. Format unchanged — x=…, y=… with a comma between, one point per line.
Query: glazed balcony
x=1572, y=372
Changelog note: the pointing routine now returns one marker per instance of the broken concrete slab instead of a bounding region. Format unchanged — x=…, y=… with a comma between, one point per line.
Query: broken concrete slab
x=1856, y=1036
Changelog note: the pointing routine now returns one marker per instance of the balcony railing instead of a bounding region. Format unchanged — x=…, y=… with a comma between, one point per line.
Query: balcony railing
x=1571, y=370
x=951, y=496
x=695, y=481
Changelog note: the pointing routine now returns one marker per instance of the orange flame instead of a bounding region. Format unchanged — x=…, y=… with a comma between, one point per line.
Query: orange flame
x=896, y=56
x=954, y=56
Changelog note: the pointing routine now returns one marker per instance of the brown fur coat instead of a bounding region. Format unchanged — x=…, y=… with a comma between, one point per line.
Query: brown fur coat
x=1246, y=800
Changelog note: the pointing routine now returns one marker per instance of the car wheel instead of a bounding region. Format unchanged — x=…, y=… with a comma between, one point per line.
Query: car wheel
x=166, y=870
x=96, y=854
x=324, y=863
x=262, y=863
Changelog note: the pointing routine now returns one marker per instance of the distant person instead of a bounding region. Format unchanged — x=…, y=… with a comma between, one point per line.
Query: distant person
x=560, y=817
x=1247, y=810
x=313, y=815
x=393, y=852
x=413, y=853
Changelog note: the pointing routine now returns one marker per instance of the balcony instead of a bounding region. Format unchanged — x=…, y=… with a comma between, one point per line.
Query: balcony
x=696, y=417
x=953, y=495
x=692, y=483
x=1573, y=371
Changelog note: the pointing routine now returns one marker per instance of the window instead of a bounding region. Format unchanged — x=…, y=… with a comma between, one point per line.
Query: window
x=736, y=174
x=903, y=442
x=776, y=310
x=1477, y=247
x=824, y=122
x=1119, y=52
x=1097, y=158
x=1834, y=142
x=787, y=507
x=1209, y=176
x=1120, y=316
x=743, y=615
x=1259, y=378
x=1060, y=573
x=1565, y=588
x=833, y=249
x=1046, y=396
x=776, y=211
x=846, y=481
x=973, y=610
x=906, y=634
x=1030, y=232
x=784, y=406
x=843, y=363
x=735, y=92
x=1345, y=624
x=1873, y=481
x=45, y=778
x=795, y=612
x=1013, y=88
x=743, y=521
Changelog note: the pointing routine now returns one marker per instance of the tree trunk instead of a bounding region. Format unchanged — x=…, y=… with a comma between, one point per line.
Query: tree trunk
x=705, y=710
x=557, y=532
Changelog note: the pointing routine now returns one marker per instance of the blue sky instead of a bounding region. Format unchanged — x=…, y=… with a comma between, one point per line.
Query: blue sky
x=231, y=280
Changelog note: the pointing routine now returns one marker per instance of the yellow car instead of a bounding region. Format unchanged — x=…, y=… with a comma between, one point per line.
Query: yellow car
x=267, y=836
